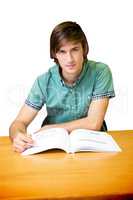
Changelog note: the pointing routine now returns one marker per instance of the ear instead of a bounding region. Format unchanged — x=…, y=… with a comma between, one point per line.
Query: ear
x=55, y=55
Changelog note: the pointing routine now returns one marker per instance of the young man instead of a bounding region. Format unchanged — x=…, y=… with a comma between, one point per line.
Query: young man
x=76, y=91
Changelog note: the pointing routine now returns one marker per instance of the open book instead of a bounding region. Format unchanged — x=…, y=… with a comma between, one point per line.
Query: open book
x=77, y=140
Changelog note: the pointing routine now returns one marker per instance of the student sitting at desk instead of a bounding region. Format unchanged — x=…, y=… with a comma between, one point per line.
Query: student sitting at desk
x=76, y=90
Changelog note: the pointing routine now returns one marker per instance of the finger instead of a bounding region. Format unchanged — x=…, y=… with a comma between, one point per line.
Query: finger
x=22, y=143
x=18, y=148
x=26, y=139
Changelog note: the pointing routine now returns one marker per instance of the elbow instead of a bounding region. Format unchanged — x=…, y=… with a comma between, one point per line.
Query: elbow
x=93, y=125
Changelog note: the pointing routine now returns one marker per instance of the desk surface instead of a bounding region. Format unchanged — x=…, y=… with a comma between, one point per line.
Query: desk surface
x=56, y=174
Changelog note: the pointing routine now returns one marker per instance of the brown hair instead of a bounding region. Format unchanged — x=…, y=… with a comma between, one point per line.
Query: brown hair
x=69, y=31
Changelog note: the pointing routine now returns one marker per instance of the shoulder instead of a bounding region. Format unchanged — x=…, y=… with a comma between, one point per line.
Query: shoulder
x=45, y=77
x=98, y=68
x=96, y=65
x=102, y=67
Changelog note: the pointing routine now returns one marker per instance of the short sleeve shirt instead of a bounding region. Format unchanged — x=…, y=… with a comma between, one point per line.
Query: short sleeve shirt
x=65, y=103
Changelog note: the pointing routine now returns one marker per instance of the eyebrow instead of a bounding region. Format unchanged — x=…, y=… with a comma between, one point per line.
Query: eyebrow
x=74, y=46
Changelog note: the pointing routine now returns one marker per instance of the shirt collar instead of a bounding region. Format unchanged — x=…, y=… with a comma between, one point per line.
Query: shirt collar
x=61, y=81
x=83, y=72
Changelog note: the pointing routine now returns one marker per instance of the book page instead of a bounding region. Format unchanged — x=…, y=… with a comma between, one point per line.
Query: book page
x=49, y=139
x=87, y=140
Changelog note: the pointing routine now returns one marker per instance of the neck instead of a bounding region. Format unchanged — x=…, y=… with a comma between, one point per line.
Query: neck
x=69, y=80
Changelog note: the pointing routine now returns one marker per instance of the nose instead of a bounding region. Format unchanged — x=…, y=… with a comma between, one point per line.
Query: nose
x=69, y=57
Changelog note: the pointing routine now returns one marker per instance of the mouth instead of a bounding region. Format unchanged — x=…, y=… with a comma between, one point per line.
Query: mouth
x=70, y=66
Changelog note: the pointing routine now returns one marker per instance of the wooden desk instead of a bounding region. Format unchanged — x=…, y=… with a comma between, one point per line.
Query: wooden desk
x=55, y=174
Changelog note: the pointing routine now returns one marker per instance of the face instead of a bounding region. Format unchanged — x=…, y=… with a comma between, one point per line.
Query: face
x=70, y=58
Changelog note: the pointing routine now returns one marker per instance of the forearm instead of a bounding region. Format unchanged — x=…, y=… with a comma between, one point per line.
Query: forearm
x=16, y=127
x=84, y=123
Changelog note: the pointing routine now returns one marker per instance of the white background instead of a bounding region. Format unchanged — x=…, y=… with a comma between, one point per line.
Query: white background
x=25, y=28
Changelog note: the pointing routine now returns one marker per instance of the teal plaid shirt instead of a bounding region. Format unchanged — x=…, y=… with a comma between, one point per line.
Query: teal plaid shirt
x=65, y=103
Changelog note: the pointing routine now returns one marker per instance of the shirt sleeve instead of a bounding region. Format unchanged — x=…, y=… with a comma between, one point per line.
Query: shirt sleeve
x=103, y=86
x=36, y=97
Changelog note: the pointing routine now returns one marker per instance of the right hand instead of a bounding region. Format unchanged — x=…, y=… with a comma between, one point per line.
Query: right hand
x=22, y=142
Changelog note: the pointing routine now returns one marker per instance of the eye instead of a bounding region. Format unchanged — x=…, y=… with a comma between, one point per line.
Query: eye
x=61, y=51
x=76, y=49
